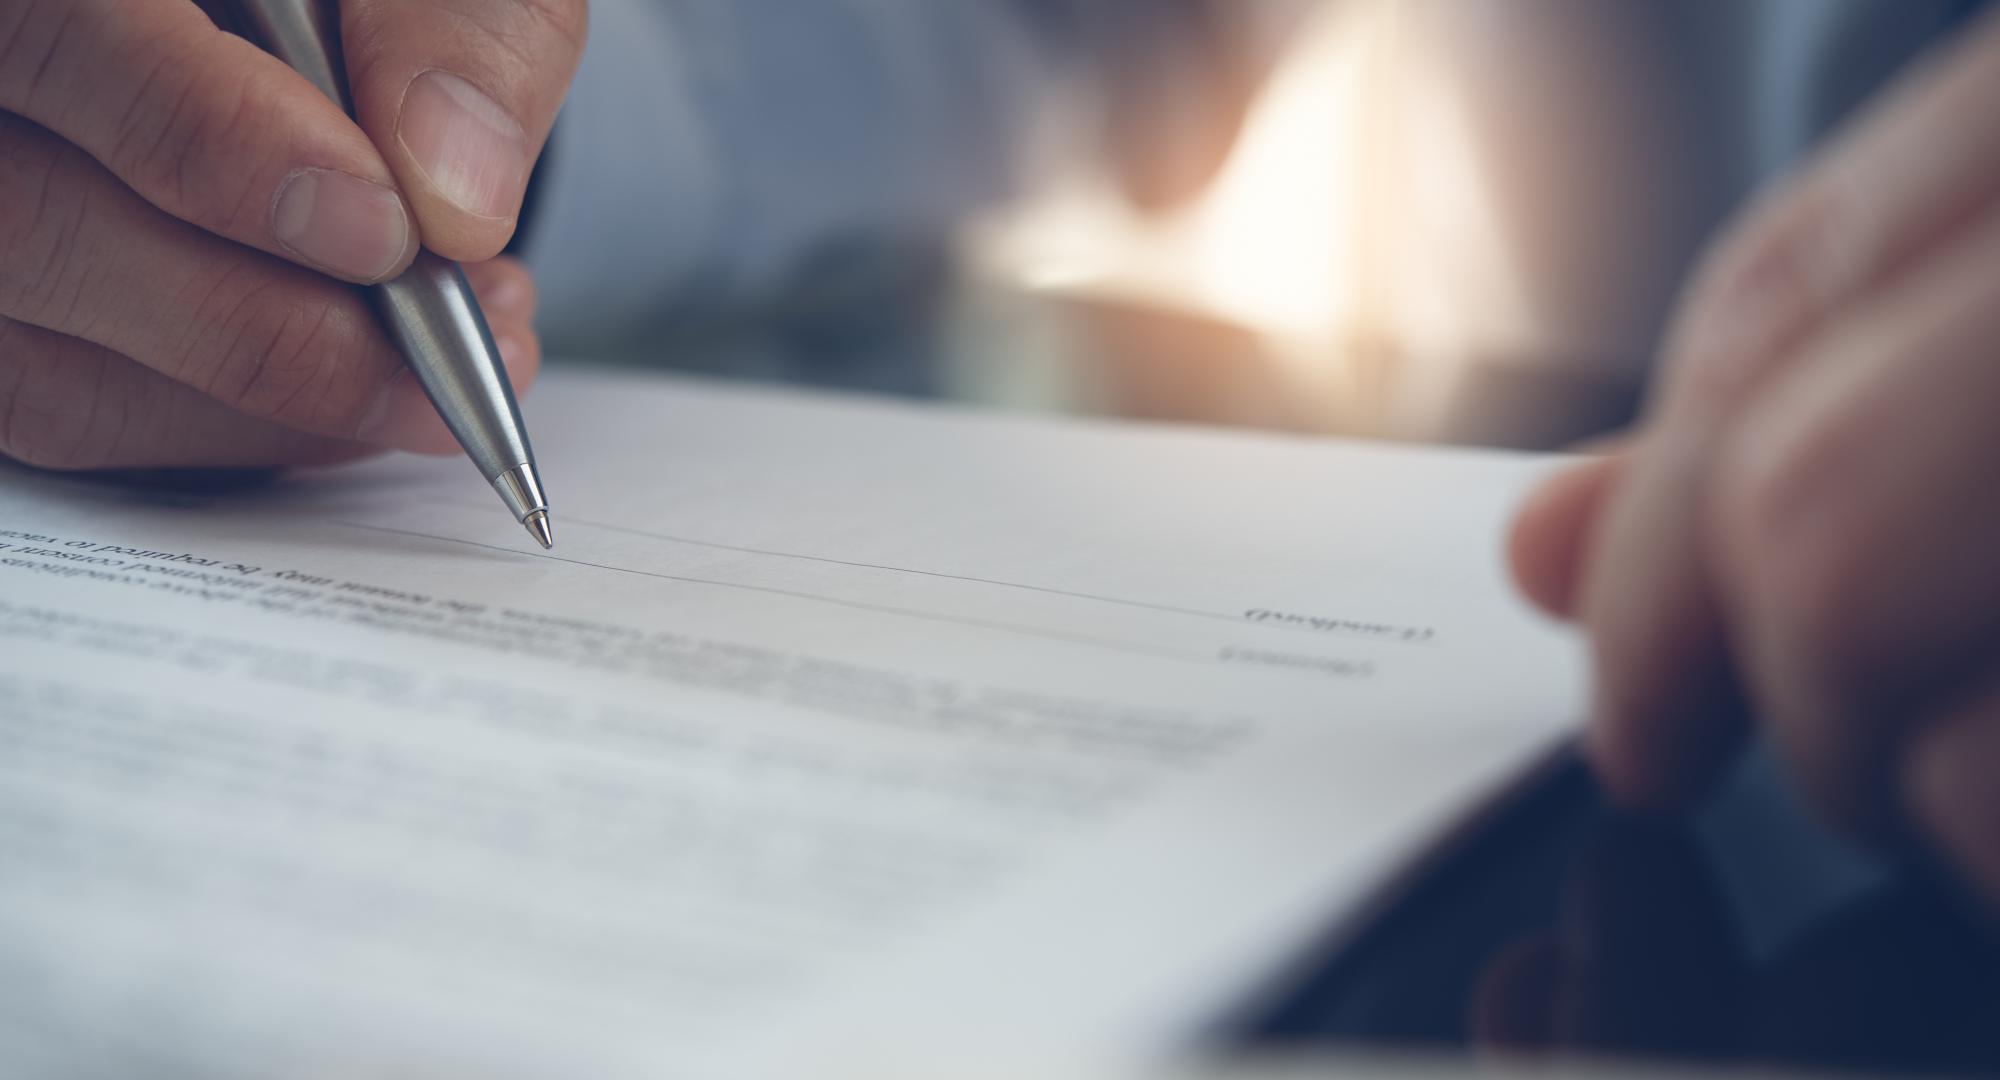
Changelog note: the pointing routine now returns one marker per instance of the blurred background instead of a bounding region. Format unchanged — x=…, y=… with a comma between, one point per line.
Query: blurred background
x=1461, y=221
x=1357, y=262
x=1439, y=220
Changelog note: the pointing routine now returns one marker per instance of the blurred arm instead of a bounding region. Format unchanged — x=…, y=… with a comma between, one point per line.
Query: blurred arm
x=1619, y=135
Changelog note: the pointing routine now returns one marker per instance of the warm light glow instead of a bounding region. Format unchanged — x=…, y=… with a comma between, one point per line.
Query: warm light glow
x=1262, y=247
x=1451, y=285
x=1269, y=245
x=1353, y=209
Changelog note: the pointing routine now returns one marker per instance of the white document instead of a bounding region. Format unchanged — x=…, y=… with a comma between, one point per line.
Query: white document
x=835, y=737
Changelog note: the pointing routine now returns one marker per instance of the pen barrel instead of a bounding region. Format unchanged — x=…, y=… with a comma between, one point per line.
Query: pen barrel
x=305, y=34
x=431, y=313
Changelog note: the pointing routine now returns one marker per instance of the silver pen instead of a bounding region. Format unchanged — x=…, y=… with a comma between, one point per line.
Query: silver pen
x=430, y=312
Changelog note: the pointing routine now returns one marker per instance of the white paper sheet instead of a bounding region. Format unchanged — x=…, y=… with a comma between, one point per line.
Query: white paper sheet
x=834, y=736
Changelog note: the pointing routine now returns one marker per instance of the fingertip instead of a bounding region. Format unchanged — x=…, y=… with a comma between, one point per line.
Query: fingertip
x=1627, y=778
x=399, y=267
x=506, y=289
x=412, y=247
x=453, y=235
x=1947, y=781
x=1655, y=760
x=403, y=418
x=1515, y=1001
x=1535, y=556
x=521, y=352
x=1549, y=538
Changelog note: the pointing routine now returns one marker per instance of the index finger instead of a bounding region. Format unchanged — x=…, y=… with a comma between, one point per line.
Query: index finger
x=207, y=127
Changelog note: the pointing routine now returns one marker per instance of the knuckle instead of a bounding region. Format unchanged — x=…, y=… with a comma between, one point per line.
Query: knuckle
x=31, y=41
x=527, y=28
x=567, y=20
x=52, y=413
x=506, y=42
x=182, y=149
x=1754, y=297
x=1791, y=547
x=297, y=361
x=41, y=217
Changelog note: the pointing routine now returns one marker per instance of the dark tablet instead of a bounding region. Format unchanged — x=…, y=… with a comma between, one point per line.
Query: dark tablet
x=1735, y=935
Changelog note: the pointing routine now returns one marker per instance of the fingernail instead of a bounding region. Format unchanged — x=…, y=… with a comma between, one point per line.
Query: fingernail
x=469, y=148
x=341, y=223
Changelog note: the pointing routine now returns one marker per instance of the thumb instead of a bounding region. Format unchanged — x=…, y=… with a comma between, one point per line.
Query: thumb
x=460, y=97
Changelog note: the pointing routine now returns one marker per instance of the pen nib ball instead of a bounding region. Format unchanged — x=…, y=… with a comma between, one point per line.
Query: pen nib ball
x=538, y=527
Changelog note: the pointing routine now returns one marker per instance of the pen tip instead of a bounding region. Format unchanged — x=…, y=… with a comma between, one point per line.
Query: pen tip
x=538, y=527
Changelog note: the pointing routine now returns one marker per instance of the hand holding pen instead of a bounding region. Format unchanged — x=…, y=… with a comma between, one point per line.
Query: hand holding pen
x=180, y=213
